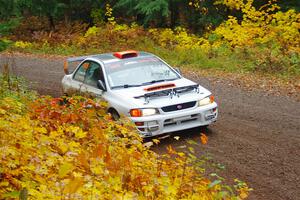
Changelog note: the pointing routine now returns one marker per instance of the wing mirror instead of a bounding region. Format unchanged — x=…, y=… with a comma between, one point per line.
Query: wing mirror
x=101, y=85
x=178, y=71
x=66, y=67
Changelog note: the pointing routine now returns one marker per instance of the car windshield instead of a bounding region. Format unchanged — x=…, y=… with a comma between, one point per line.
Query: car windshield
x=137, y=72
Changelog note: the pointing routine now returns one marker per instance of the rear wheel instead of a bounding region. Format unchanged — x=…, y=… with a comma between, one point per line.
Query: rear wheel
x=205, y=127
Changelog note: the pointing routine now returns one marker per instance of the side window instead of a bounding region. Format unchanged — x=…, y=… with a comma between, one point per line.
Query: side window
x=81, y=72
x=93, y=74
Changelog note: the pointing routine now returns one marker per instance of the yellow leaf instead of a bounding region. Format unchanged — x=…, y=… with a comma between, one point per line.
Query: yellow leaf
x=243, y=194
x=156, y=141
x=80, y=134
x=74, y=185
x=171, y=150
x=63, y=147
x=2, y=111
x=65, y=169
x=181, y=154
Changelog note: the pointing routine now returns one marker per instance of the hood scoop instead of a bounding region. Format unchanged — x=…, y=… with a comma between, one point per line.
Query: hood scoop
x=159, y=87
x=173, y=92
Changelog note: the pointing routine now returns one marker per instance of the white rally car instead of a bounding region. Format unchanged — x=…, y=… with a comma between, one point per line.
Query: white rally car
x=144, y=88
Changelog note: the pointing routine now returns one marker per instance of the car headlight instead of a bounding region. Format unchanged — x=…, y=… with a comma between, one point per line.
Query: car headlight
x=143, y=112
x=206, y=100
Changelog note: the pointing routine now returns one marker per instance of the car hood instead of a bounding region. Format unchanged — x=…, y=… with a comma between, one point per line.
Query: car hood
x=130, y=95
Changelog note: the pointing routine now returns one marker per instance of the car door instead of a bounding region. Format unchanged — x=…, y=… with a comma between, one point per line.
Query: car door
x=77, y=84
x=92, y=75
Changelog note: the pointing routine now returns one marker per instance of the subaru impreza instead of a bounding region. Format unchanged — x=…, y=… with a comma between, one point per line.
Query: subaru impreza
x=144, y=88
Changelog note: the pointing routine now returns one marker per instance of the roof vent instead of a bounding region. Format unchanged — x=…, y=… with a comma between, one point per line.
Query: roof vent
x=126, y=54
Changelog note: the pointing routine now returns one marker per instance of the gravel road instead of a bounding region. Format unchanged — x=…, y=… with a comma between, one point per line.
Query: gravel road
x=257, y=136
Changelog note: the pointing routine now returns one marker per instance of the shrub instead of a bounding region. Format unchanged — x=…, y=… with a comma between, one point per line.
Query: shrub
x=4, y=44
x=22, y=45
x=68, y=148
x=5, y=29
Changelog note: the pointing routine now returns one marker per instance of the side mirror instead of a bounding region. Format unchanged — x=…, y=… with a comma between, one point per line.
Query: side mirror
x=101, y=85
x=66, y=67
x=178, y=71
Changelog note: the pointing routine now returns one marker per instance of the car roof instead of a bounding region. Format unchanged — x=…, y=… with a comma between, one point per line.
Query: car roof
x=109, y=57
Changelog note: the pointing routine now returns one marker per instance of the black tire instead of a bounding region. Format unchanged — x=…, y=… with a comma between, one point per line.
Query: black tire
x=114, y=114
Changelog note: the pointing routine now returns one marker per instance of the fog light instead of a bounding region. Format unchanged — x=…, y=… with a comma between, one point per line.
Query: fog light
x=151, y=123
x=152, y=129
x=152, y=126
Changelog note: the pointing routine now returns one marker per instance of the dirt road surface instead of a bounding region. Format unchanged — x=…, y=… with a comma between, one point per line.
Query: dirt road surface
x=257, y=136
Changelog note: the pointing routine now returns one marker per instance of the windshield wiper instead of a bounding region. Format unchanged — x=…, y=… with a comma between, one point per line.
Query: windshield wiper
x=157, y=81
x=124, y=86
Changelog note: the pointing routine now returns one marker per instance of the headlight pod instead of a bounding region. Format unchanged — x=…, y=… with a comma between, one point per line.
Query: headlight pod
x=143, y=112
x=206, y=101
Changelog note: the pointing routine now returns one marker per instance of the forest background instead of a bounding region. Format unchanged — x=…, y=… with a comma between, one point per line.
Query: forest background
x=260, y=36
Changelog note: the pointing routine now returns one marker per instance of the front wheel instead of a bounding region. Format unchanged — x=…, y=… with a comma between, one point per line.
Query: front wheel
x=114, y=114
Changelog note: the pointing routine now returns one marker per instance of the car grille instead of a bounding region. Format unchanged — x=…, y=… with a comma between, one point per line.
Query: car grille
x=180, y=106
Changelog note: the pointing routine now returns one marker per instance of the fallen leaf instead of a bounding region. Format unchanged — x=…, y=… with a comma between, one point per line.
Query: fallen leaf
x=156, y=141
x=82, y=158
x=65, y=169
x=176, y=137
x=148, y=144
x=99, y=151
x=74, y=185
x=204, y=138
x=171, y=150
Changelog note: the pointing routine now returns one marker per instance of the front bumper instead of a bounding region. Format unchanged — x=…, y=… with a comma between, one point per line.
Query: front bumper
x=167, y=122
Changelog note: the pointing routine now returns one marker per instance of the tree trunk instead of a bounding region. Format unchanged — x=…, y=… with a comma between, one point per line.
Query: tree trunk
x=173, y=14
x=51, y=22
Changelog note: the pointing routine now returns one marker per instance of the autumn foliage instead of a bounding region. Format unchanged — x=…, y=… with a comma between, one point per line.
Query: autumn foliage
x=260, y=38
x=69, y=148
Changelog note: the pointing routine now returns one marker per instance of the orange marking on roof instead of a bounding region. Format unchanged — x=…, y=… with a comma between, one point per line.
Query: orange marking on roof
x=126, y=54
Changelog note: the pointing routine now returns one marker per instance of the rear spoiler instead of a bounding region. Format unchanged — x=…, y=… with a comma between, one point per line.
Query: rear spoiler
x=75, y=59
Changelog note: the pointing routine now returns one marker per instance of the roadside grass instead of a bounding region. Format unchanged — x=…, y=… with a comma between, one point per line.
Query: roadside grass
x=178, y=47
x=220, y=60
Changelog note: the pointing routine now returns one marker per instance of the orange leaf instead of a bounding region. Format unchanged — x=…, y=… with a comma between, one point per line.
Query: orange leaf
x=74, y=118
x=82, y=158
x=204, y=138
x=98, y=151
x=171, y=150
x=107, y=158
